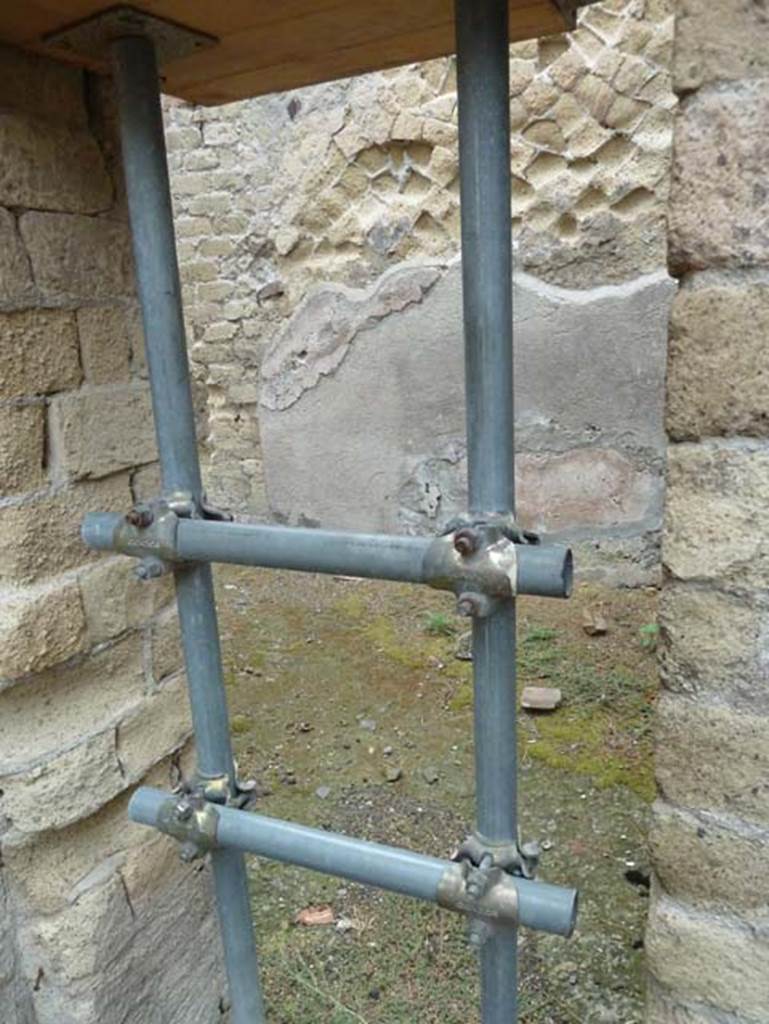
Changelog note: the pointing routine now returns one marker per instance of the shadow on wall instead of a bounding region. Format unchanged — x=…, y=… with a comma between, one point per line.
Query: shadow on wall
x=362, y=409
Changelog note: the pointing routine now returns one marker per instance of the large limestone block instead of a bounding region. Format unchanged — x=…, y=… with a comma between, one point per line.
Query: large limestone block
x=41, y=536
x=105, y=954
x=110, y=343
x=662, y=1007
x=121, y=736
x=719, y=40
x=715, y=645
x=710, y=757
x=39, y=628
x=75, y=257
x=719, y=214
x=22, y=448
x=46, y=88
x=103, y=430
x=50, y=869
x=707, y=959
x=710, y=860
x=717, y=515
x=362, y=413
x=50, y=165
x=16, y=284
x=718, y=331
x=55, y=709
x=38, y=352
x=116, y=601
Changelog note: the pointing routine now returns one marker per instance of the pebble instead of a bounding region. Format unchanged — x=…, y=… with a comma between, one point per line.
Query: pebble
x=387, y=751
x=368, y=723
x=393, y=774
x=430, y=775
x=322, y=792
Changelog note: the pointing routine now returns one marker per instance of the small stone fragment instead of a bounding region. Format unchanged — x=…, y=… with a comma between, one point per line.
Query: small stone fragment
x=393, y=774
x=541, y=698
x=311, y=917
x=387, y=751
x=594, y=623
x=430, y=775
x=323, y=792
x=368, y=724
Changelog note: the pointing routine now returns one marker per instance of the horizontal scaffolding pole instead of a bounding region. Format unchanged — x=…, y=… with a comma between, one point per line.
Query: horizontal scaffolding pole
x=540, y=905
x=543, y=570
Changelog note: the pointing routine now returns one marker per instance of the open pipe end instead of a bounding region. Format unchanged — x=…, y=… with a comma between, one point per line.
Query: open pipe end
x=145, y=805
x=546, y=907
x=545, y=570
x=98, y=530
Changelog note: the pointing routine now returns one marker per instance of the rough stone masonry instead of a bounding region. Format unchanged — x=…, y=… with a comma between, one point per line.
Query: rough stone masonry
x=319, y=241
x=708, y=935
x=91, y=693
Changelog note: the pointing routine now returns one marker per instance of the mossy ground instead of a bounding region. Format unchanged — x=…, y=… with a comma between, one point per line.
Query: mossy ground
x=332, y=683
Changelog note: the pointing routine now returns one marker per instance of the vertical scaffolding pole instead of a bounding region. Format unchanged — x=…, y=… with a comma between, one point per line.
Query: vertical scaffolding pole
x=484, y=155
x=149, y=202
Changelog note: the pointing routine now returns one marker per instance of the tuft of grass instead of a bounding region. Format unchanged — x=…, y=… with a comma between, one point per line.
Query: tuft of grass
x=439, y=624
x=539, y=635
x=649, y=635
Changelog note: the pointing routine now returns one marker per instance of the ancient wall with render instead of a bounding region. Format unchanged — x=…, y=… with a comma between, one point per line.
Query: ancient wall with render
x=98, y=919
x=708, y=937
x=319, y=245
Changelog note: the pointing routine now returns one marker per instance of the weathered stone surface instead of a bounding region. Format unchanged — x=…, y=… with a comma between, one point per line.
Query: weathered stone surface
x=166, y=645
x=718, y=332
x=57, y=708
x=709, y=960
x=50, y=869
x=663, y=1008
x=116, y=601
x=42, y=536
x=75, y=257
x=108, y=338
x=715, y=645
x=719, y=40
x=710, y=861
x=85, y=769
x=51, y=166
x=720, y=157
x=39, y=628
x=123, y=916
x=16, y=284
x=710, y=757
x=160, y=725
x=38, y=352
x=101, y=431
x=717, y=518
x=45, y=88
x=388, y=401
x=22, y=447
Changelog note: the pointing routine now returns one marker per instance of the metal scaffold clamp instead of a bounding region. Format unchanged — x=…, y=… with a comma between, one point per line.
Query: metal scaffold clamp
x=191, y=815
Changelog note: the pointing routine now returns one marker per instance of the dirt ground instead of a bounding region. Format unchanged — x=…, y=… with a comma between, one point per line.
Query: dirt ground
x=352, y=708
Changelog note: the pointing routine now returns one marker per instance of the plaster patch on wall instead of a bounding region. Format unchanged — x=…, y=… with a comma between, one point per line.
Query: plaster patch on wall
x=316, y=340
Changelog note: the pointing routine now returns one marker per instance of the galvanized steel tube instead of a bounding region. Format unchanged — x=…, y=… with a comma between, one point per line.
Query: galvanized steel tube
x=543, y=569
x=484, y=165
x=149, y=203
x=375, y=556
x=549, y=908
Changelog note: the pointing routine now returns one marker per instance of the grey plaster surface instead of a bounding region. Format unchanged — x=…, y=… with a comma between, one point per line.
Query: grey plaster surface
x=362, y=406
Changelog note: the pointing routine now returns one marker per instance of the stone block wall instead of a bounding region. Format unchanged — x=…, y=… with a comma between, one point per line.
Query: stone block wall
x=294, y=212
x=708, y=937
x=98, y=919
